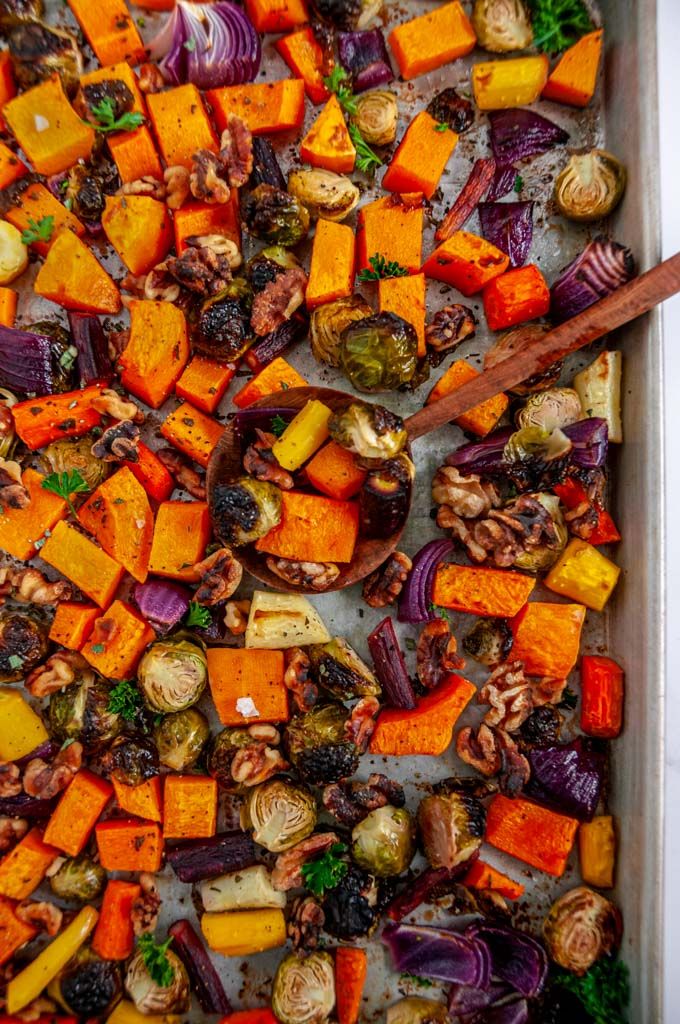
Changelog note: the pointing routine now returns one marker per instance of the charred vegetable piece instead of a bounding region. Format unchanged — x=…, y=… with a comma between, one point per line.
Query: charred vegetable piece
x=303, y=990
x=81, y=712
x=14, y=12
x=223, y=328
x=156, y=979
x=275, y=216
x=447, y=107
x=172, y=674
x=181, y=738
x=328, y=322
x=23, y=644
x=199, y=859
x=223, y=749
x=349, y=908
x=582, y=927
x=379, y=352
x=280, y=813
x=78, y=880
x=318, y=747
x=246, y=510
x=451, y=828
x=266, y=266
x=590, y=186
x=205, y=980
x=502, y=25
x=370, y=431
x=339, y=670
x=324, y=193
x=88, y=986
x=266, y=170
x=541, y=728
x=76, y=454
x=40, y=51
x=384, y=842
x=376, y=117
x=385, y=497
x=489, y=642
x=416, y=1010
x=130, y=759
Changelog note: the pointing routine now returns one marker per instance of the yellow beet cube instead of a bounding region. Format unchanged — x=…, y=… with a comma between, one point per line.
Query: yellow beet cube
x=498, y=84
x=21, y=729
x=242, y=932
x=303, y=435
x=583, y=574
x=597, y=851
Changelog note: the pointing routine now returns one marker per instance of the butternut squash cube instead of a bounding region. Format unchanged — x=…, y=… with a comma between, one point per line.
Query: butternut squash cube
x=432, y=39
x=110, y=30
x=328, y=143
x=331, y=272
x=313, y=529
x=73, y=277
x=48, y=129
x=467, y=262
x=117, y=641
x=75, y=556
x=247, y=685
x=157, y=351
x=480, y=419
x=35, y=203
x=420, y=157
x=21, y=729
x=179, y=539
x=140, y=230
x=181, y=124
x=192, y=432
x=391, y=226
x=22, y=530
x=119, y=517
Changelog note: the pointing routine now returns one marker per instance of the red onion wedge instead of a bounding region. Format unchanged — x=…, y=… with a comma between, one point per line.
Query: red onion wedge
x=416, y=597
x=517, y=133
x=599, y=270
x=510, y=227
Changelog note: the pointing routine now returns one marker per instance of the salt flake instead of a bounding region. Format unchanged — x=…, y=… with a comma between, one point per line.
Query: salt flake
x=246, y=707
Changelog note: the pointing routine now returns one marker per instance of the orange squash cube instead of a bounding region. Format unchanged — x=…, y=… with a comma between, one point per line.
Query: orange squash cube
x=192, y=432
x=391, y=226
x=482, y=418
x=265, y=107
x=328, y=143
x=204, y=382
x=313, y=529
x=334, y=472
x=110, y=30
x=144, y=800
x=189, y=807
x=515, y=297
x=547, y=638
x=22, y=530
x=119, y=517
x=180, y=537
x=23, y=868
x=129, y=845
x=467, y=262
x=35, y=203
x=157, y=351
x=181, y=124
x=331, y=272
x=14, y=933
x=117, y=641
x=405, y=296
x=432, y=39
x=140, y=230
x=79, y=808
x=75, y=556
x=134, y=154
x=72, y=623
x=276, y=376
x=478, y=590
x=47, y=127
x=420, y=157
x=276, y=15
x=208, y=219
x=73, y=277
x=8, y=306
x=247, y=685
x=11, y=167
x=574, y=77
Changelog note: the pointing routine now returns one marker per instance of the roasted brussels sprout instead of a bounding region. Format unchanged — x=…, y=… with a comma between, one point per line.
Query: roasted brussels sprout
x=303, y=990
x=266, y=266
x=275, y=216
x=85, y=191
x=317, y=745
x=451, y=828
x=222, y=751
x=7, y=431
x=385, y=497
x=78, y=880
x=581, y=927
x=541, y=728
x=384, y=842
x=415, y=1010
x=113, y=91
x=324, y=193
x=489, y=642
x=280, y=813
x=13, y=12
x=67, y=455
x=223, y=327
x=590, y=186
x=327, y=323
x=81, y=712
x=502, y=25
x=449, y=108
x=23, y=644
x=13, y=253
x=180, y=738
x=551, y=409
x=376, y=116
x=339, y=670
x=151, y=998
x=88, y=986
x=246, y=510
x=172, y=674
x=379, y=352
x=350, y=907
x=40, y=51
x=510, y=344
x=545, y=529
x=536, y=445
x=130, y=759
x=370, y=431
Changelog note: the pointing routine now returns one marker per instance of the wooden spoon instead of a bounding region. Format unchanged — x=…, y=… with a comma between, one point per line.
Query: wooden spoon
x=626, y=304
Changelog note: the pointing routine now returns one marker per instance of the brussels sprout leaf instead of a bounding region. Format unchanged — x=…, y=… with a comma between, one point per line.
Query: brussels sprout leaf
x=325, y=872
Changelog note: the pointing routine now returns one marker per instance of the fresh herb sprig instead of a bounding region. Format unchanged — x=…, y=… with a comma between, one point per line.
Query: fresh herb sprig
x=38, y=230
x=125, y=700
x=367, y=159
x=65, y=484
x=105, y=113
x=558, y=24
x=325, y=872
x=156, y=960
x=337, y=82
x=415, y=979
x=278, y=425
x=603, y=991
x=440, y=612
x=381, y=268
x=198, y=616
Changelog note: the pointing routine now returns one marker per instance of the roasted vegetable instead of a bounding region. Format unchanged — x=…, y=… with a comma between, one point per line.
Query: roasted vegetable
x=536, y=446
x=379, y=352
x=327, y=323
x=223, y=327
x=551, y=409
x=160, y=987
x=23, y=644
x=280, y=813
x=447, y=107
x=267, y=264
x=582, y=927
x=14, y=12
x=317, y=745
x=347, y=14
x=13, y=253
x=69, y=455
x=130, y=759
x=599, y=389
x=246, y=510
x=339, y=670
x=590, y=186
x=248, y=889
x=350, y=906
x=548, y=534
x=303, y=990
x=222, y=751
x=384, y=842
x=40, y=51
x=78, y=880
x=172, y=674
x=88, y=986
x=502, y=25
x=7, y=431
x=62, y=352
x=370, y=431
x=81, y=712
x=385, y=497
x=376, y=114
x=278, y=621
x=451, y=828
x=416, y=1010
x=181, y=738
x=324, y=193
x=275, y=216
x=489, y=642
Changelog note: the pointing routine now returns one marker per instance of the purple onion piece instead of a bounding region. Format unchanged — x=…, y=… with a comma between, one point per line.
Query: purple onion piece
x=516, y=957
x=438, y=953
x=25, y=806
x=425, y=888
x=510, y=227
x=364, y=57
x=246, y=421
x=205, y=981
x=45, y=751
x=467, y=999
x=93, y=355
x=590, y=442
x=163, y=604
x=390, y=667
x=416, y=597
x=515, y=1011
x=26, y=361
x=568, y=777
x=602, y=267
x=503, y=181
x=274, y=344
x=517, y=133
x=199, y=859
x=266, y=169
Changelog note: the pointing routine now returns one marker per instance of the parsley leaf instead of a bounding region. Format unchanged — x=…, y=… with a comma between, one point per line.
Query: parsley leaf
x=38, y=231
x=442, y=613
x=124, y=700
x=367, y=158
x=189, y=44
x=65, y=484
x=335, y=83
x=558, y=23
x=278, y=425
x=381, y=268
x=155, y=959
x=519, y=183
x=107, y=121
x=198, y=616
x=415, y=979
x=441, y=127
x=325, y=872
x=15, y=662
x=603, y=991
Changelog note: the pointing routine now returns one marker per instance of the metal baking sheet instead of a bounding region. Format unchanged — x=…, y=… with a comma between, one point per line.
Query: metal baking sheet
x=623, y=118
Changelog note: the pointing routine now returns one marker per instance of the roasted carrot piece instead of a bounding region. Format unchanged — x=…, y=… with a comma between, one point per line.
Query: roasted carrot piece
x=77, y=812
x=114, y=938
x=574, y=77
x=264, y=106
x=482, y=876
x=204, y=382
x=181, y=124
x=304, y=57
x=405, y=296
x=128, y=845
x=72, y=624
x=531, y=833
x=110, y=30
x=157, y=352
x=515, y=297
x=334, y=472
x=328, y=143
x=35, y=203
x=391, y=226
x=119, y=517
x=313, y=529
x=11, y=167
x=38, y=421
x=140, y=230
x=350, y=977
x=276, y=15
x=192, y=432
x=73, y=277
x=79, y=560
x=152, y=474
x=180, y=537
x=144, y=800
x=601, y=696
x=196, y=219
x=467, y=262
x=57, y=138
x=14, y=933
x=22, y=530
x=547, y=638
x=420, y=157
x=276, y=376
x=597, y=851
x=8, y=304
x=117, y=641
x=331, y=272
x=432, y=39
x=429, y=727
x=247, y=685
x=189, y=807
x=134, y=154
x=23, y=868
x=482, y=418
x=480, y=591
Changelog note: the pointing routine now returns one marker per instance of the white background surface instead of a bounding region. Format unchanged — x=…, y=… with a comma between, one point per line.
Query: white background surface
x=669, y=110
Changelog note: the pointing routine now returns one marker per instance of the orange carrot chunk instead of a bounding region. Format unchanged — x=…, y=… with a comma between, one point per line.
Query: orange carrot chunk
x=114, y=938
x=128, y=845
x=547, y=638
x=152, y=474
x=247, y=685
x=601, y=696
x=313, y=529
x=189, y=807
x=531, y=833
x=421, y=157
x=331, y=273
x=429, y=727
x=515, y=297
x=480, y=419
x=482, y=876
x=467, y=262
x=480, y=591
x=351, y=966
x=574, y=77
x=8, y=304
x=38, y=421
x=77, y=812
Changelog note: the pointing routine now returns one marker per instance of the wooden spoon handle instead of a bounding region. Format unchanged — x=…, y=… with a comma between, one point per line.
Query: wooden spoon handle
x=625, y=304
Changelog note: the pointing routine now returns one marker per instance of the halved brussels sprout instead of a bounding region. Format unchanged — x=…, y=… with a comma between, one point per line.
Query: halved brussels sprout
x=327, y=323
x=23, y=645
x=370, y=431
x=489, y=642
x=130, y=759
x=582, y=927
x=551, y=409
x=7, y=431
x=223, y=749
x=275, y=216
x=280, y=813
x=151, y=998
x=88, y=986
x=590, y=186
x=338, y=669
x=67, y=455
x=449, y=108
x=172, y=674
x=325, y=194
x=223, y=327
x=415, y=1010
x=379, y=353
x=534, y=444
x=303, y=990
x=180, y=738
x=502, y=25
x=267, y=264
x=552, y=537
x=246, y=510
x=78, y=880
x=385, y=841
x=451, y=828
x=40, y=50
x=81, y=712
x=376, y=116
x=317, y=745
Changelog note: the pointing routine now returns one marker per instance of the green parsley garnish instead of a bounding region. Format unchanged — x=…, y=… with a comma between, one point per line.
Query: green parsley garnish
x=105, y=113
x=519, y=183
x=98, y=648
x=441, y=127
x=198, y=616
x=335, y=82
x=189, y=44
x=38, y=231
x=415, y=979
x=325, y=872
x=125, y=700
x=156, y=960
x=278, y=425
x=558, y=24
x=381, y=268
x=603, y=991
x=442, y=613
x=15, y=662
x=367, y=158
x=65, y=484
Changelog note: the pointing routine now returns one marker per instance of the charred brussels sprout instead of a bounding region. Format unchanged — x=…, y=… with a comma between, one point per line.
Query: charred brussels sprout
x=65, y=456
x=107, y=90
x=415, y=1010
x=385, y=497
x=339, y=670
x=489, y=642
x=266, y=266
x=551, y=409
x=85, y=192
x=303, y=990
x=451, y=828
x=582, y=927
x=180, y=738
x=376, y=117
x=545, y=526
x=131, y=759
x=541, y=728
x=327, y=323
x=349, y=908
x=246, y=510
x=78, y=880
x=502, y=25
x=379, y=352
x=7, y=431
x=280, y=813
x=40, y=51
x=148, y=995
x=23, y=645
x=81, y=712
x=223, y=327
x=590, y=186
x=172, y=674
x=384, y=842
x=222, y=752
x=13, y=12
x=449, y=108
x=370, y=431
x=324, y=193
x=88, y=986
x=275, y=216
x=317, y=745
x=536, y=446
